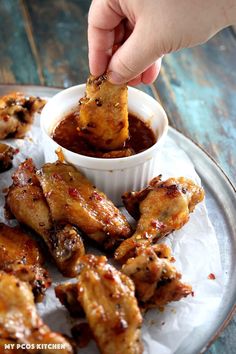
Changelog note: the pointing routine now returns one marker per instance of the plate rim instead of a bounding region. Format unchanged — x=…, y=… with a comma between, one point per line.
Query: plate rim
x=232, y=311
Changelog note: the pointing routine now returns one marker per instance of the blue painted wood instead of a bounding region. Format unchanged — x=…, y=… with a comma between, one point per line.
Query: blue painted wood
x=60, y=35
x=16, y=58
x=198, y=90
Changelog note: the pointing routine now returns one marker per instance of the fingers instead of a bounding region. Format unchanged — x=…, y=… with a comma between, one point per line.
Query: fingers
x=148, y=76
x=152, y=72
x=102, y=22
x=133, y=58
x=136, y=81
x=115, y=45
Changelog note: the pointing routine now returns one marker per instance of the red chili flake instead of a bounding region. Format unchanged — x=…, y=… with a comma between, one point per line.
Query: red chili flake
x=96, y=196
x=74, y=193
x=6, y=118
x=157, y=224
x=108, y=275
x=16, y=151
x=154, y=223
x=211, y=276
x=192, y=293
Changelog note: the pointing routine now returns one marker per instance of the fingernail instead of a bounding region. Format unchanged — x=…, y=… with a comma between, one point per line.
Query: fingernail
x=115, y=78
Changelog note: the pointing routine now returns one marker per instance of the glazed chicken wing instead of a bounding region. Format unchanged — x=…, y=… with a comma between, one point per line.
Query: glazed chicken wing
x=19, y=321
x=26, y=201
x=160, y=208
x=73, y=199
x=107, y=297
x=20, y=255
x=68, y=294
x=6, y=157
x=103, y=119
x=156, y=281
x=16, y=114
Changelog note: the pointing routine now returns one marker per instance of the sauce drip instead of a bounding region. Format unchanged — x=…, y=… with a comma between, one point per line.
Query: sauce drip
x=66, y=134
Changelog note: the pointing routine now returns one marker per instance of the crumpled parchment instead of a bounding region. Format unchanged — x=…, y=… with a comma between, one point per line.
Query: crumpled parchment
x=195, y=249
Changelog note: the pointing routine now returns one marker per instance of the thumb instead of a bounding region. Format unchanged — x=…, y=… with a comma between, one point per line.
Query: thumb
x=135, y=55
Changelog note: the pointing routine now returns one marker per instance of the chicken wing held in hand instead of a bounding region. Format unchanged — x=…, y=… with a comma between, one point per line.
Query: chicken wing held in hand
x=20, y=323
x=17, y=113
x=26, y=201
x=73, y=199
x=21, y=256
x=160, y=208
x=156, y=281
x=107, y=298
x=103, y=119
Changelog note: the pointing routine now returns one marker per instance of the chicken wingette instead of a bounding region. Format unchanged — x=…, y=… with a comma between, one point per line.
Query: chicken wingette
x=156, y=280
x=103, y=119
x=160, y=208
x=20, y=323
x=26, y=201
x=21, y=256
x=73, y=199
x=17, y=113
x=107, y=298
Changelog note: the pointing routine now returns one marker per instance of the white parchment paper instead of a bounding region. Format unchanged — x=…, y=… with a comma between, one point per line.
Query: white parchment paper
x=195, y=249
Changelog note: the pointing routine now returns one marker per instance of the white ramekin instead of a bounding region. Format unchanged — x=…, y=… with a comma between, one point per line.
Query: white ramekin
x=112, y=176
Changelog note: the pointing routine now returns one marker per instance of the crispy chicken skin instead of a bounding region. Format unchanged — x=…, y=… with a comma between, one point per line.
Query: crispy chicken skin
x=26, y=201
x=6, y=157
x=160, y=208
x=107, y=297
x=103, y=119
x=68, y=294
x=21, y=256
x=156, y=281
x=16, y=114
x=19, y=321
x=73, y=199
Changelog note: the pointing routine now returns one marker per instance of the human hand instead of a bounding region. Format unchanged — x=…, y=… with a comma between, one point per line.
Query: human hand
x=145, y=30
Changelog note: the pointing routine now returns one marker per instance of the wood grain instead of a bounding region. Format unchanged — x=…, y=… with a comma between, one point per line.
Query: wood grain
x=197, y=87
x=60, y=35
x=16, y=59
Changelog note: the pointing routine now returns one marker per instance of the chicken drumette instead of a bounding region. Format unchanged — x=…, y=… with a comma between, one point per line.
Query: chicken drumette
x=26, y=201
x=103, y=119
x=16, y=114
x=156, y=281
x=160, y=208
x=20, y=323
x=107, y=298
x=6, y=157
x=20, y=255
x=73, y=199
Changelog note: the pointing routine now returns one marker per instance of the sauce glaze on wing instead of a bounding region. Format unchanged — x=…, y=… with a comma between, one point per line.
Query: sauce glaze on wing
x=72, y=198
x=107, y=298
x=103, y=119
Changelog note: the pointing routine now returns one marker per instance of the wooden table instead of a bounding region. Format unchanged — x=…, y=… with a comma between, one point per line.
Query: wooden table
x=45, y=42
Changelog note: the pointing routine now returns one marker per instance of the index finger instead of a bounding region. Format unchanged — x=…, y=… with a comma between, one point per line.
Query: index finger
x=104, y=16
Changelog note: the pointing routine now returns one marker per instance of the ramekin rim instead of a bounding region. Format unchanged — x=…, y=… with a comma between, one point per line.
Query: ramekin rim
x=109, y=161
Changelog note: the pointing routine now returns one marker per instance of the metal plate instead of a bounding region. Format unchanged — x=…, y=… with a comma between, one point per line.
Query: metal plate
x=221, y=205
